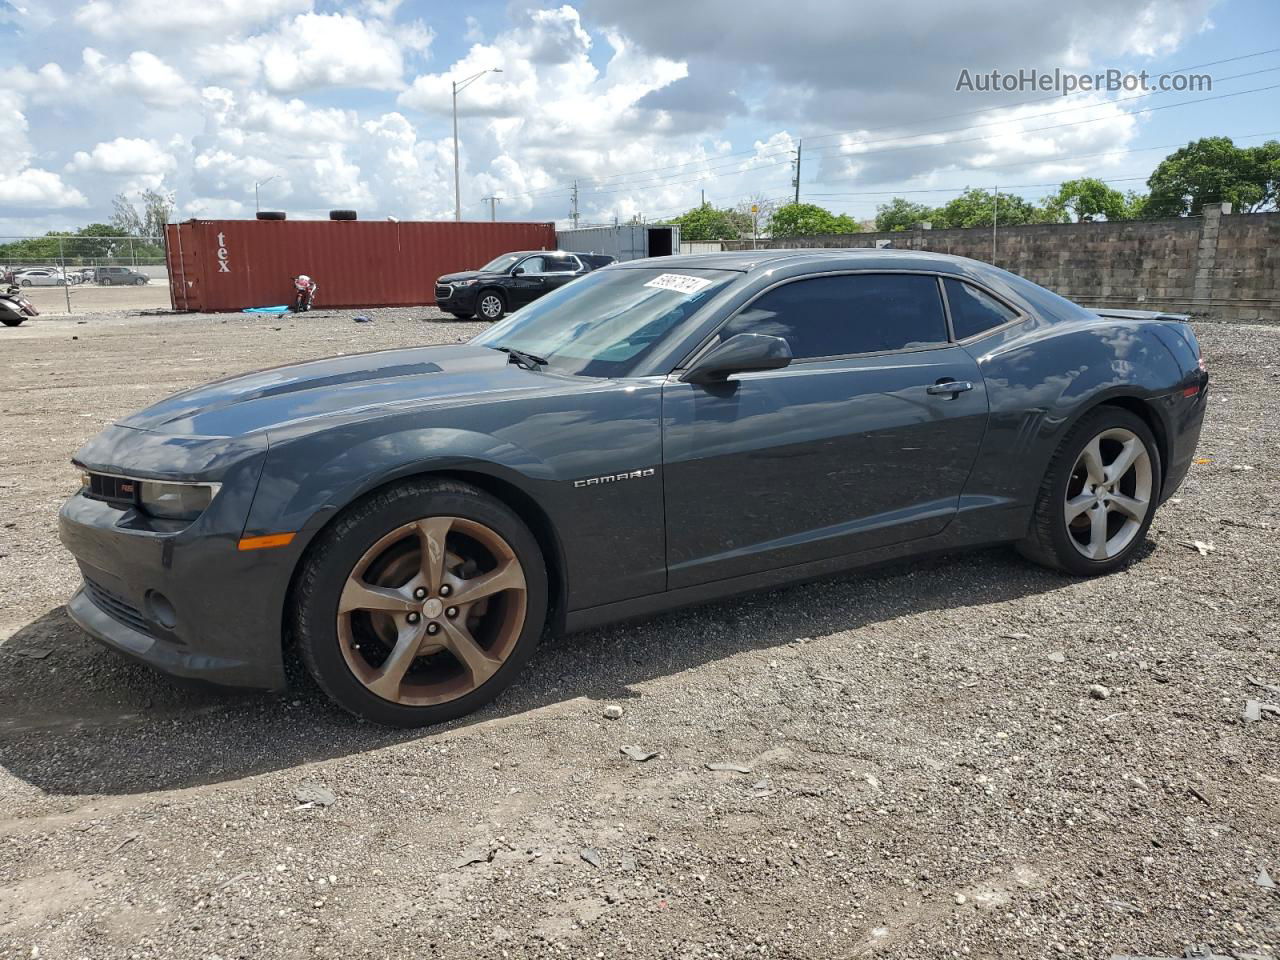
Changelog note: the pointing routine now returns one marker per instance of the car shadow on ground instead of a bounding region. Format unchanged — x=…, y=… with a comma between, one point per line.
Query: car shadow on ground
x=78, y=720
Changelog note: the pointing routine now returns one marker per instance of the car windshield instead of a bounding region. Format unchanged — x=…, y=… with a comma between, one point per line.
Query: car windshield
x=501, y=264
x=604, y=324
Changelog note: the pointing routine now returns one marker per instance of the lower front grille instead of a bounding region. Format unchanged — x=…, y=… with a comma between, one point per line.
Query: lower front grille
x=443, y=291
x=118, y=608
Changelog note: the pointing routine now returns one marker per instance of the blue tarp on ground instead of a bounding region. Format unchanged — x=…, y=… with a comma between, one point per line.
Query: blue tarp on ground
x=280, y=309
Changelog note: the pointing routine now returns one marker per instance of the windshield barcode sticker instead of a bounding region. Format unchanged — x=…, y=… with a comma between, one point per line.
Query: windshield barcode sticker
x=678, y=282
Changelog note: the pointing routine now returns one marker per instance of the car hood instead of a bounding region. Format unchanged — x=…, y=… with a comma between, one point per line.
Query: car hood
x=338, y=386
x=469, y=275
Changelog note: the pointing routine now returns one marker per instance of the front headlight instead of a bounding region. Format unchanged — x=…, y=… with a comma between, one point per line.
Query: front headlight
x=463, y=283
x=175, y=501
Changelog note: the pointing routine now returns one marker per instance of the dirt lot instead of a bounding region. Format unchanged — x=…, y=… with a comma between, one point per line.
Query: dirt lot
x=89, y=299
x=928, y=773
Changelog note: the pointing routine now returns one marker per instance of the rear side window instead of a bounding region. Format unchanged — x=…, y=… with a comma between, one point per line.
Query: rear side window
x=842, y=315
x=973, y=311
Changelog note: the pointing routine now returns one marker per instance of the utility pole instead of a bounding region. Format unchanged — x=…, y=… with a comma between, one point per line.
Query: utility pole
x=796, y=182
x=573, y=213
x=704, y=198
x=995, y=215
x=493, y=206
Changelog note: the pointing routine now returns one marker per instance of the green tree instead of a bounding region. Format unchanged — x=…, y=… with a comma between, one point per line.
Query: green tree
x=1215, y=170
x=1085, y=199
x=902, y=214
x=809, y=220
x=710, y=223
x=975, y=207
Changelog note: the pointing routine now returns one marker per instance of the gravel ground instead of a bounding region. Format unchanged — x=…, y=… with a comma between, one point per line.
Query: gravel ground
x=923, y=771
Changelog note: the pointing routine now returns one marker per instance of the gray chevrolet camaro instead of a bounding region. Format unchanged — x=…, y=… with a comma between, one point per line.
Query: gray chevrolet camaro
x=654, y=434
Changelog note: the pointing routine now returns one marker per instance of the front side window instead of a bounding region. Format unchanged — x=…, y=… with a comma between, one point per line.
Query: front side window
x=973, y=311
x=532, y=266
x=605, y=323
x=848, y=314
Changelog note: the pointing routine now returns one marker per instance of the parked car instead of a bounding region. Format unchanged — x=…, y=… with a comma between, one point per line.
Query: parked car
x=655, y=434
x=109, y=276
x=510, y=281
x=39, y=277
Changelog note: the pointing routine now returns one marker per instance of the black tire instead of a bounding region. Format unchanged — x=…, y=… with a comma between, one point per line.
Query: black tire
x=140, y=281
x=484, y=298
x=12, y=321
x=460, y=315
x=105, y=282
x=342, y=215
x=1048, y=541
x=272, y=215
x=339, y=547
x=25, y=283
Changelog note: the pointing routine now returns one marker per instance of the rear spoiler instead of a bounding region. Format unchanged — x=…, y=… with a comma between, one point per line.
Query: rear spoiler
x=1143, y=315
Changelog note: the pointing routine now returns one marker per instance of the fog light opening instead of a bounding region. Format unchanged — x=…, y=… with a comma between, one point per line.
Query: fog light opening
x=161, y=610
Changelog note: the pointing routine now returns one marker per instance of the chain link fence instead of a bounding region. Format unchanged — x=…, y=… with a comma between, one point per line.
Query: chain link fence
x=58, y=260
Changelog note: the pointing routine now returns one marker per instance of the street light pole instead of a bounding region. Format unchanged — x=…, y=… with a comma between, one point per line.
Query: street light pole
x=457, y=183
x=257, y=207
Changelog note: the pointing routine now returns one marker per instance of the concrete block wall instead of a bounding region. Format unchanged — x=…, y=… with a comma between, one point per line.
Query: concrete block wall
x=1219, y=265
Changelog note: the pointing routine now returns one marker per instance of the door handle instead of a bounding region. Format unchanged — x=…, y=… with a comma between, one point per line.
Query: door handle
x=949, y=387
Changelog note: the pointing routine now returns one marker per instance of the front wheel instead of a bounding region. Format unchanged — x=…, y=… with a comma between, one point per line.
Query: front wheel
x=11, y=321
x=140, y=281
x=421, y=603
x=491, y=305
x=105, y=281
x=1099, y=495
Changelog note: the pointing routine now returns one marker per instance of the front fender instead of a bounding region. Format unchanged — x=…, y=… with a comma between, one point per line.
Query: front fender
x=306, y=481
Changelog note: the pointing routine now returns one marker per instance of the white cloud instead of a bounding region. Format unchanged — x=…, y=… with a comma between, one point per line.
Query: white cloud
x=142, y=75
x=317, y=50
x=38, y=188
x=128, y=18
x=48, y=83
x=125, y=155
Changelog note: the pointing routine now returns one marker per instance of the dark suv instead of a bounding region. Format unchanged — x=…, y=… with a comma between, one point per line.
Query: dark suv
x=108, y=276
x=511, y=281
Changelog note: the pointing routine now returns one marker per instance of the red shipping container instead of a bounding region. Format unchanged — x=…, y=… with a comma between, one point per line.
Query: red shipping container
x=217, y=265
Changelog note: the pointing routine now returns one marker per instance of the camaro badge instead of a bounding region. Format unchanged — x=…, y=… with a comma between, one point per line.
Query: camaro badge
x=616, y=477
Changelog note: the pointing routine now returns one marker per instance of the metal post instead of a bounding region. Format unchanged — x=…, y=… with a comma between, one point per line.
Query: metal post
x=574, y=213
x=257, y=204
x=133, y=254
x=995, y=216
x=457, y=189
x=62, y=266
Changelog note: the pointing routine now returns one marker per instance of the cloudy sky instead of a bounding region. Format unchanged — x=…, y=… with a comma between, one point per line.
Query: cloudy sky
x=645, y=104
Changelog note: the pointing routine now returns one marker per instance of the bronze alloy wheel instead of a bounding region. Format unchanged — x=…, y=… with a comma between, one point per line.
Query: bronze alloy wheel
x=432, y=610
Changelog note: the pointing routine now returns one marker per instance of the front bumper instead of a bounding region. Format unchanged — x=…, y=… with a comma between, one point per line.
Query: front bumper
x=189, y=604
x=456, y=299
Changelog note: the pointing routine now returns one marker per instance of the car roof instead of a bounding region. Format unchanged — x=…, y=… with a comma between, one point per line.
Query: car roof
x=857, y=258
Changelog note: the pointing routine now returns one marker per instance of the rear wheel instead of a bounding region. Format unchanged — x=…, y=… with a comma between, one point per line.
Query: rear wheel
x=421, y=603
x=491, y=305
x=1099, y=495
x=105, y=281
x=12, y=321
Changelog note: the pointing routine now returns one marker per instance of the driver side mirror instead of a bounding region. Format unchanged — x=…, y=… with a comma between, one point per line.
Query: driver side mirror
x=741, y=353
x=518, y=272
